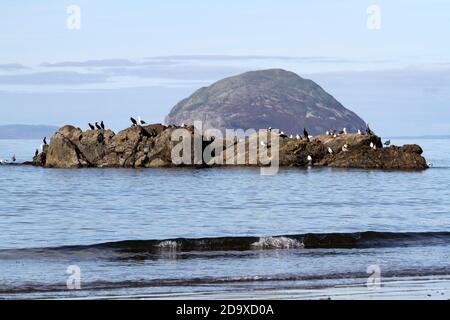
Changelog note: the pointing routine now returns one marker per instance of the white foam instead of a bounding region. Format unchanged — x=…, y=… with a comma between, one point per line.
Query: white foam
x=168, y=245
x=278, y=243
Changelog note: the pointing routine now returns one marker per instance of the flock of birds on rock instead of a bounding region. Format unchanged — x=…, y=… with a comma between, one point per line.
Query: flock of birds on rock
x=333, y=133
x=101, y=126
x=264, y=144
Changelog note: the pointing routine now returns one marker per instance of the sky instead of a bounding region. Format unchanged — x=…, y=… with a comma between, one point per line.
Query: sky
x=391, y=66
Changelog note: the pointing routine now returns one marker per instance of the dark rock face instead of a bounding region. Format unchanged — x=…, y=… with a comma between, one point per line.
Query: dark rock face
x=392, y=158
x=151, y=146
x=138, y=146
x=263, y=99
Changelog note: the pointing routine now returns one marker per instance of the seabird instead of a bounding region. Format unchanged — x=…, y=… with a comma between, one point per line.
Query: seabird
x=373, y=146
x=140, y=121
x=91, y=126
x=327, y=133
x=263, y=144
x=13, y=158
x=45, y=140
x=3, y=161
x=344, y=131
x=97, y=126
x=183, y=125
x=102, y=125
x=359, y=132
x=291, y=136
x=345, y=148
x=36, y=153
x=306, y=134
x=298, y=137
x=310, y=159
x=133, y=120
x=387, y=143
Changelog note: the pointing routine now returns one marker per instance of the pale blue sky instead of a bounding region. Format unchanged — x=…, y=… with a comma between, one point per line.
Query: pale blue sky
x=149, y=54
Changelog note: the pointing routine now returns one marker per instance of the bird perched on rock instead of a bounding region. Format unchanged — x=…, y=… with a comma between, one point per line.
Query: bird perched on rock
x=102, y=125
x=306, y=134
x=13, y=159
x=91, y=126
x=359, y=132
x=98, y=126
x=387, y=143
x=133, y=121
x=298, y=137
x=345, y=148
x=36, y=153
x=45, y=140
x=310, y=159
x=373, y=146
x=140, y=121
x=264, y=144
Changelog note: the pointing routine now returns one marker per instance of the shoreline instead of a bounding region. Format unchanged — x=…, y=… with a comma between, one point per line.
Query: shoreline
x=408, y=288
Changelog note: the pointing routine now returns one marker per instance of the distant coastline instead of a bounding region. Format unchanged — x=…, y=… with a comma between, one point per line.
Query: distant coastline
x=26, y=132
x=431, y=137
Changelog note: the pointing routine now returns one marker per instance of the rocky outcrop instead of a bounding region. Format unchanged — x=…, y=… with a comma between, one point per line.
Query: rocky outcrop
x=138, y=146
x=393, y=158
x=263, y=99
x=151, y=146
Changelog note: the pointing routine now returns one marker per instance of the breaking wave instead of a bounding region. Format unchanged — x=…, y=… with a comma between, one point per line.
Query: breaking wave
x=137, y=248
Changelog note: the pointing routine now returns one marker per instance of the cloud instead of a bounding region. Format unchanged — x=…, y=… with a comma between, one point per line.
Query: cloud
x=90, y=63
x=105, y=63
x=185, y=72
x=52, y=78
x=176, y=59
x=12, y=67
x=306, y=59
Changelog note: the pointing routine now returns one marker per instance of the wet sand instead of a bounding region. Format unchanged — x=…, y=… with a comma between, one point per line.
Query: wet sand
x=419, y=288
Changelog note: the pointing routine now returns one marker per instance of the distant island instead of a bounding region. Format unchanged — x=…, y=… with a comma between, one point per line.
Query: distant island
x=26, y=132
x=266, y=98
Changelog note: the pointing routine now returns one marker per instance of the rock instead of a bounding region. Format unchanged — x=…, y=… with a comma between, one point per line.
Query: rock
x=412, y=148
x=364, y=157
x=262, y=99
x=40, y=159
x=151, y=146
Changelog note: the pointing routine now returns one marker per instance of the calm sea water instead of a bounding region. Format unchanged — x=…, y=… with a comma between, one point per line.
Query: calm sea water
x=51, y=219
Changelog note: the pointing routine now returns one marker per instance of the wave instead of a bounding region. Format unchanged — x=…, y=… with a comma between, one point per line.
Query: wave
x=142, y=248
x=296, y=280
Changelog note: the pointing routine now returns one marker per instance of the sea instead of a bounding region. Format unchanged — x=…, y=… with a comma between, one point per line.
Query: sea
x=187, y=233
